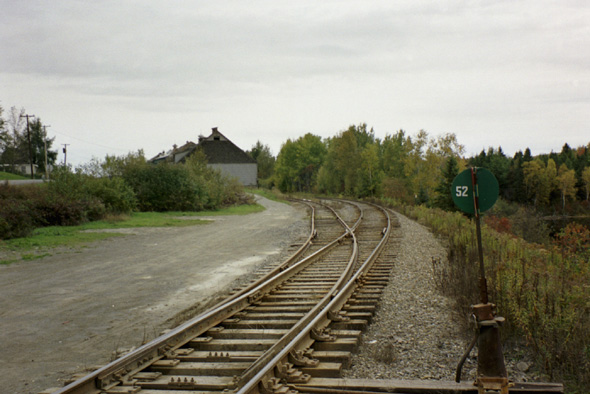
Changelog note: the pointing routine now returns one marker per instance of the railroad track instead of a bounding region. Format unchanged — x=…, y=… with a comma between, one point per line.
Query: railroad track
x=298, y=320
x=291, y=330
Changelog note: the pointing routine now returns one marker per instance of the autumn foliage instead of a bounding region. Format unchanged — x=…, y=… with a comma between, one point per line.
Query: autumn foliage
x=500, y=224
x=542, y=291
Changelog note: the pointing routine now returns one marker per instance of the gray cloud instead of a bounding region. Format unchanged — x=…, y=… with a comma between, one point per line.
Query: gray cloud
x=472, y=68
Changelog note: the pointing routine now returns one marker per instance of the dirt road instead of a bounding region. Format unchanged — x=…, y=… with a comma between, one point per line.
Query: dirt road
x=72, y=310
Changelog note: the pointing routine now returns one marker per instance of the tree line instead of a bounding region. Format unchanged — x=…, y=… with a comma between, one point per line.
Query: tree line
x=419, y=169
x=15, y=149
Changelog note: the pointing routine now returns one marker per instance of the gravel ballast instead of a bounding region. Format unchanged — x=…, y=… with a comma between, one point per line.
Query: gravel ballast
x=416, y=333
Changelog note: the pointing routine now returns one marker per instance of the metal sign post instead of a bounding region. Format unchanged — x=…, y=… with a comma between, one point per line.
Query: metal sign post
x=483, y=285
x=476, y=190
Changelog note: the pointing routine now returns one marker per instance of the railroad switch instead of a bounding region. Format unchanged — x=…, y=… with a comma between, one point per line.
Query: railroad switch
x=322, y=335
x=275, y=386
x=289, y=374
x=475, y=191
x=338, y=316
x=299, y=358
x=491, y=370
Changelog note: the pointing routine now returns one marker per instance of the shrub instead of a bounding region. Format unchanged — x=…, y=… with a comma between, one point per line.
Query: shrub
x=220, y=190
x=60, y=210
x=18, y=209
x=165, y=187
x=88, y=194
x=501, y=225
x=15, y=219
x=395, y=188
x=67, y=183
x=115, y=194
x=224, y=191
x=528, y=225
x=70, y=201
x=267, y=183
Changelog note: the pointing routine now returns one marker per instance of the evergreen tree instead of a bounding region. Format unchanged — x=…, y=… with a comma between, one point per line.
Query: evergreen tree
x=443, y=198
x=40, y=143
x=527, y=155
x=567, y=156
x=515, y=187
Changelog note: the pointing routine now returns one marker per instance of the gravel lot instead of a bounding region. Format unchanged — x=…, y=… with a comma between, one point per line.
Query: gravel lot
x=71, y=311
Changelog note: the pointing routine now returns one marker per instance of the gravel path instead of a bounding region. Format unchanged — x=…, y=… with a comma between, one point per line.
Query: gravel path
x=415, y=333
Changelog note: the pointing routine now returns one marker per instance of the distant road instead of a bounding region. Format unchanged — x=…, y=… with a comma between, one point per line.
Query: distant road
x=22, y=181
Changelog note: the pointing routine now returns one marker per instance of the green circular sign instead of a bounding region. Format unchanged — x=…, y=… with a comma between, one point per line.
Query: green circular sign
x=487, y=190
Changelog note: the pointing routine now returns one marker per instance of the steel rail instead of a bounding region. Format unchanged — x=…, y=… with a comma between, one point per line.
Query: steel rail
x=281, y=267
x=357, y=278
x=358, y=221
x=286, y=341
x=120, y=370
x=353, y=203
x=332, y=302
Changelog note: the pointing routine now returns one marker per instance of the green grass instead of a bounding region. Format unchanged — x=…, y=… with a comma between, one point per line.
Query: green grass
x=51, y=237
x=235, y=210
x=143, y=219
x=268, y=194
x=32, y=256
x=36, y=246
x=9, y=176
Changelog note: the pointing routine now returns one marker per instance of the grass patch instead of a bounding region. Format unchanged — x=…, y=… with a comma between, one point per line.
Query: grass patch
x=143, y=219
x=32, y=256
x=54, y=236
x=7, y=176
x=51, y=237
x=44, y=238
x=269, y=194
x=234, y=210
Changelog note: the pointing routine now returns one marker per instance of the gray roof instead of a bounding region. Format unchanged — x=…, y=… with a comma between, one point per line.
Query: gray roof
x=224, y=152
x=216, y=147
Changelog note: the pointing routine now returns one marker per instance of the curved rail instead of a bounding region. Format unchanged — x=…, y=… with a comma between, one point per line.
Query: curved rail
x=123, y=370
x=164, y=346
x=331, y=303
x=280, y=349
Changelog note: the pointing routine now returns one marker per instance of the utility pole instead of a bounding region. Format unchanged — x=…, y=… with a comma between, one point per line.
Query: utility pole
x=45, y=147
x=30, y=148
x=65, y=150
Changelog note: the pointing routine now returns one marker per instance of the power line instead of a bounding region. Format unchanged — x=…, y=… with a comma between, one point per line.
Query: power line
x=92, y=143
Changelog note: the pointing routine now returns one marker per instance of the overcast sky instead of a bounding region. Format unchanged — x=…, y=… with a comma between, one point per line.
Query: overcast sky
x=116, y=76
